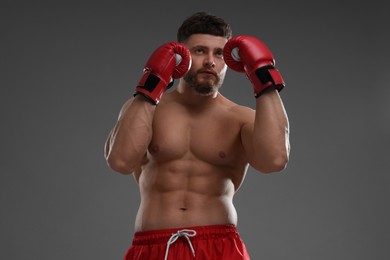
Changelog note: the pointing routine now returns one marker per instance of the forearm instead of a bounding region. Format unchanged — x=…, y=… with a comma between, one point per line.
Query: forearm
x=265, y=140
x=128, y=141
x=271, y=132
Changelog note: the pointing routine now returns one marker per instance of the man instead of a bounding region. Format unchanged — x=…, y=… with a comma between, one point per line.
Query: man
x=189, y=148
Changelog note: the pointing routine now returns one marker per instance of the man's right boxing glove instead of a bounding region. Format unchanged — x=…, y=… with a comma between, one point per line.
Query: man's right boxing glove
x=248, y=54
x=169, y=61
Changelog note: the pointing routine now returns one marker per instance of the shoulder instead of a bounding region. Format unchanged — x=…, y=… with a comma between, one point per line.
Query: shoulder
x=242, y=113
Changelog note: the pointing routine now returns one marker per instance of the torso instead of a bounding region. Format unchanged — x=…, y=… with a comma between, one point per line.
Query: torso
x=193, y=166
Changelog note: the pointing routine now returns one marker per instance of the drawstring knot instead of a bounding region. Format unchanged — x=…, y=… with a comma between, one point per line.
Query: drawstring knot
x=187, y=233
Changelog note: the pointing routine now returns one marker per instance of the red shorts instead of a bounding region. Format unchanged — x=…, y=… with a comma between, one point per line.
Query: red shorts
x=204, y=242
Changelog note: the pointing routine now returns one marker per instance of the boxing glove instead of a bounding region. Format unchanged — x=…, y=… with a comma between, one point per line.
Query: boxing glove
x=169, y=61
x=249, y=55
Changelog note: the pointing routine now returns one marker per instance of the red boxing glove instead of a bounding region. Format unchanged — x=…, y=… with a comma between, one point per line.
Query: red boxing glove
x=248, y=54
x=169, y=61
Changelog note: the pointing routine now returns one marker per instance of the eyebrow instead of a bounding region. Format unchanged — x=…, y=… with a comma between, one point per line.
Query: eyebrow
x=199, y=46
x=205, y=47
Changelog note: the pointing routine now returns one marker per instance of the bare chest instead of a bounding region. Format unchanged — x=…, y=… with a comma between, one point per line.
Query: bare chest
x=210, y=136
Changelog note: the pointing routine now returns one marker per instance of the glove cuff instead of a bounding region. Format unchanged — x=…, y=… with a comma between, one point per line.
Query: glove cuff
x=265, y=77
x=152, y=87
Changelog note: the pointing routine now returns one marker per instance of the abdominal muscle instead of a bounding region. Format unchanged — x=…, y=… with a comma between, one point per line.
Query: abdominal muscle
x=185, y=194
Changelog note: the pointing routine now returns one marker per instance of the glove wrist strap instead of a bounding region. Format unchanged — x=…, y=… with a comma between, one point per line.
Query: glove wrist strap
x=265, y=77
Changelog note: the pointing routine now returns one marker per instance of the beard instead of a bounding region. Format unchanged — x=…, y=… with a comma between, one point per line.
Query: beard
x=205, y=86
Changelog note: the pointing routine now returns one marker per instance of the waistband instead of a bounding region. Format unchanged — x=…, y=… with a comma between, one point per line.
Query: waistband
x=202, y=232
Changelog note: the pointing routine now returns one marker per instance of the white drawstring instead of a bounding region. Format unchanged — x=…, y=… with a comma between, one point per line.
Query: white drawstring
x=181, y=233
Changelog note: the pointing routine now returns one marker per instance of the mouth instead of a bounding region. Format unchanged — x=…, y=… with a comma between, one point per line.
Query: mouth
x=208, y=72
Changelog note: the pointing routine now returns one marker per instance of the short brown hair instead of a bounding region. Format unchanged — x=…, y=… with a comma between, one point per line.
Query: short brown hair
x=205, y=23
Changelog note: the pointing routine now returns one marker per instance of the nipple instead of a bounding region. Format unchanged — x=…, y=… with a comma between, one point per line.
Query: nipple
x=154, y=149
x=222, y=154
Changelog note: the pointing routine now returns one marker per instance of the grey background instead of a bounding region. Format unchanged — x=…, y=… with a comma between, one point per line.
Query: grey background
x=66, y=69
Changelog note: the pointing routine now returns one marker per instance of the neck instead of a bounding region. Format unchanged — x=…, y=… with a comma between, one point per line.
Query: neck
x=190, y=97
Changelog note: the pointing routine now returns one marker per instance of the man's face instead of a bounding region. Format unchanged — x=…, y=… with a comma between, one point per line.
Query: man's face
x=208, y=68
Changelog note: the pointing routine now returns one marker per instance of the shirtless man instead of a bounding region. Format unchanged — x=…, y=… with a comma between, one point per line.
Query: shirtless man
x=189, y=148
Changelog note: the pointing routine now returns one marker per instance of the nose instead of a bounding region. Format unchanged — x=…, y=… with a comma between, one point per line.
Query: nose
x=209, y=61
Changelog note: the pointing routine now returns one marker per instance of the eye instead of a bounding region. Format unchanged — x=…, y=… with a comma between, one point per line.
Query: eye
x=219, y=54
x=199, y=51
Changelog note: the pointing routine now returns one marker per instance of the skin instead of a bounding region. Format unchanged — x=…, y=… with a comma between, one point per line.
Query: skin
x=189, y=155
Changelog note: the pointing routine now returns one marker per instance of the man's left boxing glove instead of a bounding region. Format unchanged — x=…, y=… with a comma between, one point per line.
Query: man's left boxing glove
x=169, y=61
x=250, y=55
